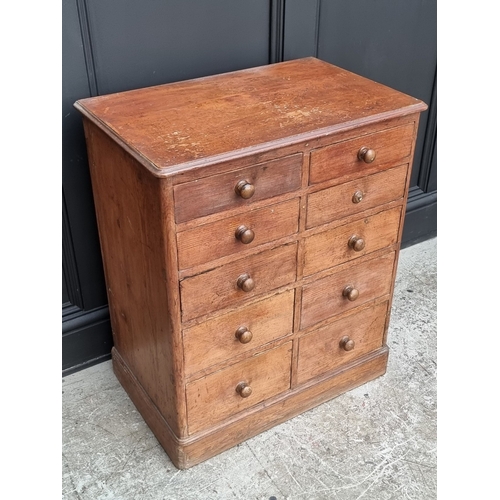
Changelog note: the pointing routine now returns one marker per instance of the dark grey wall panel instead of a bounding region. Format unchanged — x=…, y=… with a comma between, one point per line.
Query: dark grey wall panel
x=86, y=340
x=390, y=41
x=138, y=44
x=276, y=31
x=432, y=181
x=427, y=180
x=301, y=28
x=85, y=336
x=65, y=295
x=86, y=257
x=420, y=222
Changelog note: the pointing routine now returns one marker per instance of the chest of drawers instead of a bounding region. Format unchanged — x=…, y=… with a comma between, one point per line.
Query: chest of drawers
x=250, y=226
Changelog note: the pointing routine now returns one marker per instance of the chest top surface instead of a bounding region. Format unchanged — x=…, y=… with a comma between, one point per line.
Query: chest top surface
x=196, y=122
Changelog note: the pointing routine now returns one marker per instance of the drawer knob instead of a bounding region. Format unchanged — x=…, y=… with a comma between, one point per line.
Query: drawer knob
x=243, y=334
x=350, y=293
x=243, y=389
x=357, y=197
x=366, y=154
x=356, y=243
x=246, y=283
x=245, y=189
x=244, y=234
x=346, y=343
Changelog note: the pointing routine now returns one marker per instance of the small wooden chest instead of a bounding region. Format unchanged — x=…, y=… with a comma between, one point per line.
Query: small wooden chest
x=250, y=225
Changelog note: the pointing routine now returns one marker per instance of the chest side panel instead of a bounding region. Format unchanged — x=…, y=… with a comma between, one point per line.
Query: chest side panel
x=134, y=243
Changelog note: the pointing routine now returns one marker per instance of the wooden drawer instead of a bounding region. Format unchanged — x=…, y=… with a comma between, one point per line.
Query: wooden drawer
x=325, y=298
x=219, y=288
x=341, y=160
x=215, y=397
x=328, y=348
x=214, y=341
x=218, y=193
x=212, y=241
x=343, y=200
x=348, y=242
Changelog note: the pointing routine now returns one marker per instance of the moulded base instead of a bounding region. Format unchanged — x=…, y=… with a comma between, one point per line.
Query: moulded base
x=187, y=452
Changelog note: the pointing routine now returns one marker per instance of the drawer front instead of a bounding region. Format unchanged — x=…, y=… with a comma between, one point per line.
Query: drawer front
x=235, y=234
x=341, y=160
x=340, y=342
x=356, y=196
x=222, y=338
x=348, y=242
x=232, y=283
x=326, y=297
x=215, y=194
x=216, y=396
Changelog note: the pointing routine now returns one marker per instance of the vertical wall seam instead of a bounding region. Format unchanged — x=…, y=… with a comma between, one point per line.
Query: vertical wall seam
x=277, y=34
x=83, y=17
x=70, y=267
x=316, y=34
x=429, y=140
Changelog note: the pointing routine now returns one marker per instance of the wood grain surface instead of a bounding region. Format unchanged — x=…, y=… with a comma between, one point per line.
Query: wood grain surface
x=214, y=397
x=331, y=248
x=320, y=351
x=218, y=288
x=336, y=202
x=323, y=299
x=216, y=193
x=212, y=241
x=133, y=215
x=340, y=161
x=213, y=117
x=214, y=341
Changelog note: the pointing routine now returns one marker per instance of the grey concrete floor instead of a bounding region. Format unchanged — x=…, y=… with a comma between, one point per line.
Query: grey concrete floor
x=376, y=442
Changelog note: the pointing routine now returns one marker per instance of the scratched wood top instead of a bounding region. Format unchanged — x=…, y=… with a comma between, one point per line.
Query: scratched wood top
x=197, y=122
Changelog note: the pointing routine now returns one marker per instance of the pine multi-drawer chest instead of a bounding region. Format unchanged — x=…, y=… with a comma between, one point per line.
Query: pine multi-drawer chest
x=250, y=225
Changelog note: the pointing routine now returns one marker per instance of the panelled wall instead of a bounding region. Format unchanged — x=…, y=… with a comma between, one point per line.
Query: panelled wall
x=123, y=44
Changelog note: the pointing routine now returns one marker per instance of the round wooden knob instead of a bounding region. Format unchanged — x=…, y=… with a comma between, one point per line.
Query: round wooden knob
x=366, y=154
x=243, y=334
x=357, y=197
x=245, y=189
x=246, y=283
x=244, y=234
x=350, y=293
x=356, y=243
x=346, y=343
x=243, y=389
